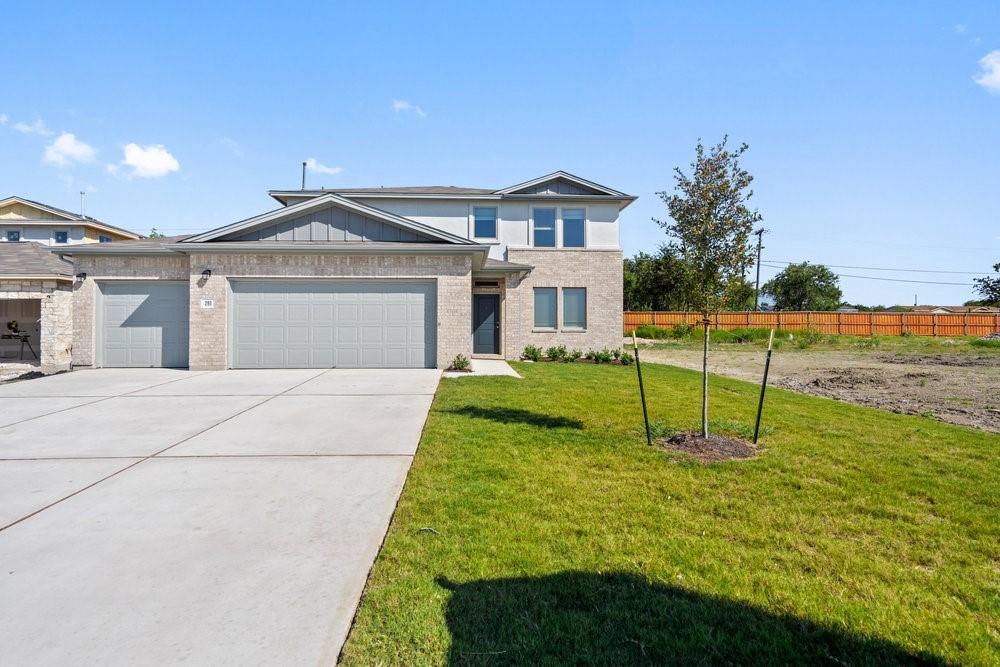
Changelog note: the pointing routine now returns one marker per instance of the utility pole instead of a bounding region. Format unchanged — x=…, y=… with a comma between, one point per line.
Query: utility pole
x=756, y=290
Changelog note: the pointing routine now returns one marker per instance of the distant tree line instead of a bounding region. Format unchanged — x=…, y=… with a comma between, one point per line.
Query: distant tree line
x=664, y=281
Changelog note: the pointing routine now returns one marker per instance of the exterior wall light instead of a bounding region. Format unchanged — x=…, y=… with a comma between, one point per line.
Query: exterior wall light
x=206, y=274
x=80, y=277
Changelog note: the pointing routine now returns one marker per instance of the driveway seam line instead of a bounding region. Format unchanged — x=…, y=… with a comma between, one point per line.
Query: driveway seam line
x=146, y=458
x=100, y=399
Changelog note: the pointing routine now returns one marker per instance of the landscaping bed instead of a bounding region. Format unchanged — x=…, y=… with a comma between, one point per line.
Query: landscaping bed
x=537, y=527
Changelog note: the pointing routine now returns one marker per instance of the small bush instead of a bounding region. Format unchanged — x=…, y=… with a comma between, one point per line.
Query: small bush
x=616, y=353
x=556, y=353
x=808, y=337
x=460, y=363
x=573, y=356
x=986, y=342
x=649, y=331
x=906, y=334
x=532, y=353
x=868, y=343
x=626, y=359
x=604, y=356
x=681, y=330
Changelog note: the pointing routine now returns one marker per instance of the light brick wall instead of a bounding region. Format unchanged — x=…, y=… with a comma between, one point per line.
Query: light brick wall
x=209, y=335
x=56, y=315
x=600, y=271
x=152, y=267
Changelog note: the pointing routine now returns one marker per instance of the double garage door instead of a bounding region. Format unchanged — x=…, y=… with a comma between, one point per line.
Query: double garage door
x=276, y=324
x=333, y=324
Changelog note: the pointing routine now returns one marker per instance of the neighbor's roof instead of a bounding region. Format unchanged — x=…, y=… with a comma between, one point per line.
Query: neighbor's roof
x=70, y=216
x=415, y=190
x=27, y=259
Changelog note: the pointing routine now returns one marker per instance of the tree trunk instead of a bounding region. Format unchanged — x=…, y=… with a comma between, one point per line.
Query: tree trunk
x=704, y=381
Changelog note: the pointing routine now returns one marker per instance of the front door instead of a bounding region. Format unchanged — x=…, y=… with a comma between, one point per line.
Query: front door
x=486, y=324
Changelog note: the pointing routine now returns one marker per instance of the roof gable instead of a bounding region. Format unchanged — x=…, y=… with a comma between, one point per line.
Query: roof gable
x=329, y=218
x=560, y=183
x=18, y=208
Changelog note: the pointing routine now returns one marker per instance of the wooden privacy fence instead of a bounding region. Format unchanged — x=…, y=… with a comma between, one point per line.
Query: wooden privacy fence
x=855, y=324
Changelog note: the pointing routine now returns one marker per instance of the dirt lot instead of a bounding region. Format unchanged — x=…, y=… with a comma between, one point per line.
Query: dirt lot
x=960, y=388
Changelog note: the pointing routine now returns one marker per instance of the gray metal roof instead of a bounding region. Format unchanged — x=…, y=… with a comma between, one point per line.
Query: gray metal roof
x=410, y=190
x=27, y=258
x=500, y=265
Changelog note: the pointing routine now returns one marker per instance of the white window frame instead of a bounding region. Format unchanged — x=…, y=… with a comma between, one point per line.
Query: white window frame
x=586, y=227
x=472, y=223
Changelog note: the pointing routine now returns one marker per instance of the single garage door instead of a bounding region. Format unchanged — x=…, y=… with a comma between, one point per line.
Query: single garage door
x=143, y=324
x=333, y=324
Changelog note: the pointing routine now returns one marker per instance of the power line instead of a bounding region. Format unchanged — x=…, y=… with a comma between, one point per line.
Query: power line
x=891, y=280
x=880, y=268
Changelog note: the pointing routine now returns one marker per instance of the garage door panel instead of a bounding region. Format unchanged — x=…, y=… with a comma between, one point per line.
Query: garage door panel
x=323, y=324
x=143, y=324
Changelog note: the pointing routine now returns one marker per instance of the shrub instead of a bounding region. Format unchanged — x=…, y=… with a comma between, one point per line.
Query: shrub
x=809, y=336
x=616, y=353
x=649, y=331
x=460, y=363
x=556, y=353
x=604, y=356
x=573, y=356
x=532, y=353
x=681, y=330
x=986, y=342
x=626, y=359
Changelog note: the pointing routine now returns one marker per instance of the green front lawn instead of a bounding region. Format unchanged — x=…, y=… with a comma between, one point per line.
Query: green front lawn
x=536, y=527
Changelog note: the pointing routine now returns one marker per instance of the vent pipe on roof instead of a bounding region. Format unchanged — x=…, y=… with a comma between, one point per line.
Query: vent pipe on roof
x=83, y=193
x=303, y=175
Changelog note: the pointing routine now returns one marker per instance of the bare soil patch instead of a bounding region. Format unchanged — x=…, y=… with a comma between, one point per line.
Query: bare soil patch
x=962, y=389
x=708, y=450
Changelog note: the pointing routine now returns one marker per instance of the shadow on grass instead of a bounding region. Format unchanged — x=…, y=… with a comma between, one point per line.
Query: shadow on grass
x=516, y=416
x=581, y=618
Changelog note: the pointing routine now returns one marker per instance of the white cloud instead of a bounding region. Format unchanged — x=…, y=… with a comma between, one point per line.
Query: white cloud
x=960, y=28
x=402, y=106
x=35, y=127
x=152, y=161
x=3, y=119
x=232, y=146
x=989, y=78
x=66, y=149
x=312, y=164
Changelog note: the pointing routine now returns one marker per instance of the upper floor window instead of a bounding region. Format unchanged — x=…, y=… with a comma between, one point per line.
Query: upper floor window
x=62, y=237
x=13, y=236
x=485, y=222
x=574, y=227
x=545, y=227
x=104, y=239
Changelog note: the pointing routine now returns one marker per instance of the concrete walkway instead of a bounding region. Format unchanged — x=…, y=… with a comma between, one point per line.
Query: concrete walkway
x=158, y=516
x=481, y=367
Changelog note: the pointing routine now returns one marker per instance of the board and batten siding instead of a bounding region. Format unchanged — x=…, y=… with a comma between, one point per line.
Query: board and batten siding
x=558, y=186
x=331, y=224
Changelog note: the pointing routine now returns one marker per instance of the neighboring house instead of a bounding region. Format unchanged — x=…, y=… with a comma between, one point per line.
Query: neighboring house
x=941, y=310
x=367, y=277
x=36, y=293
x=26, y=220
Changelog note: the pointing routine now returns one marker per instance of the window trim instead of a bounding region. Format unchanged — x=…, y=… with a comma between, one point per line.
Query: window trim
x=534, y=309
x=496, y=223
x=562, y=227
x=55, y=236
x=556, y=220
x=567, y=327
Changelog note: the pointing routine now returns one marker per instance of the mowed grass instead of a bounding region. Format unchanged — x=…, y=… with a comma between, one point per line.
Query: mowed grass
x=536, y=527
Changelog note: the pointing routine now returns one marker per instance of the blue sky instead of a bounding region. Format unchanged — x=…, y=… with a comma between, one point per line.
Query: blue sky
x=872, y=142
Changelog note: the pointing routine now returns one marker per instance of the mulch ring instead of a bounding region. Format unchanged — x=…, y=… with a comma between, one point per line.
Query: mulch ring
x=708, y=450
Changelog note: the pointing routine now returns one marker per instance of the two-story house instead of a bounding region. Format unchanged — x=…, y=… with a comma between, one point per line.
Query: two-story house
x=35, y=285
x=363, y=277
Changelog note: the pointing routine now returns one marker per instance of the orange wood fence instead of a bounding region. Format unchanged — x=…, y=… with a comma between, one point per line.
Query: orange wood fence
x=856, y=324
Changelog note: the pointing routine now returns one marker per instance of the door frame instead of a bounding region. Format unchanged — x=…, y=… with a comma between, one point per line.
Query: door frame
x=498, y=331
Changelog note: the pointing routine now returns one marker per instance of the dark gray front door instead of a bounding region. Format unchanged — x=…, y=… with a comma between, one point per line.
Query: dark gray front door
x=486, y=324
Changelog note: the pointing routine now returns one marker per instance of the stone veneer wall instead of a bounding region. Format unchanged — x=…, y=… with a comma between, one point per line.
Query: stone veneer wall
x=112, y=267
x=56, y=313
x=600, y=271
x=209, y=337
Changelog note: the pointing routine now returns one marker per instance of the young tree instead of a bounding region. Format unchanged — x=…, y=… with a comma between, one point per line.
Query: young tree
x=710, y=226
x=805, y=286
x=154, y=233
x=989, y=288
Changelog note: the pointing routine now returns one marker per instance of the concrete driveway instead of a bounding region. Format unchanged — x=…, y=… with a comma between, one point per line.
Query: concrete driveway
x=153, y=516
